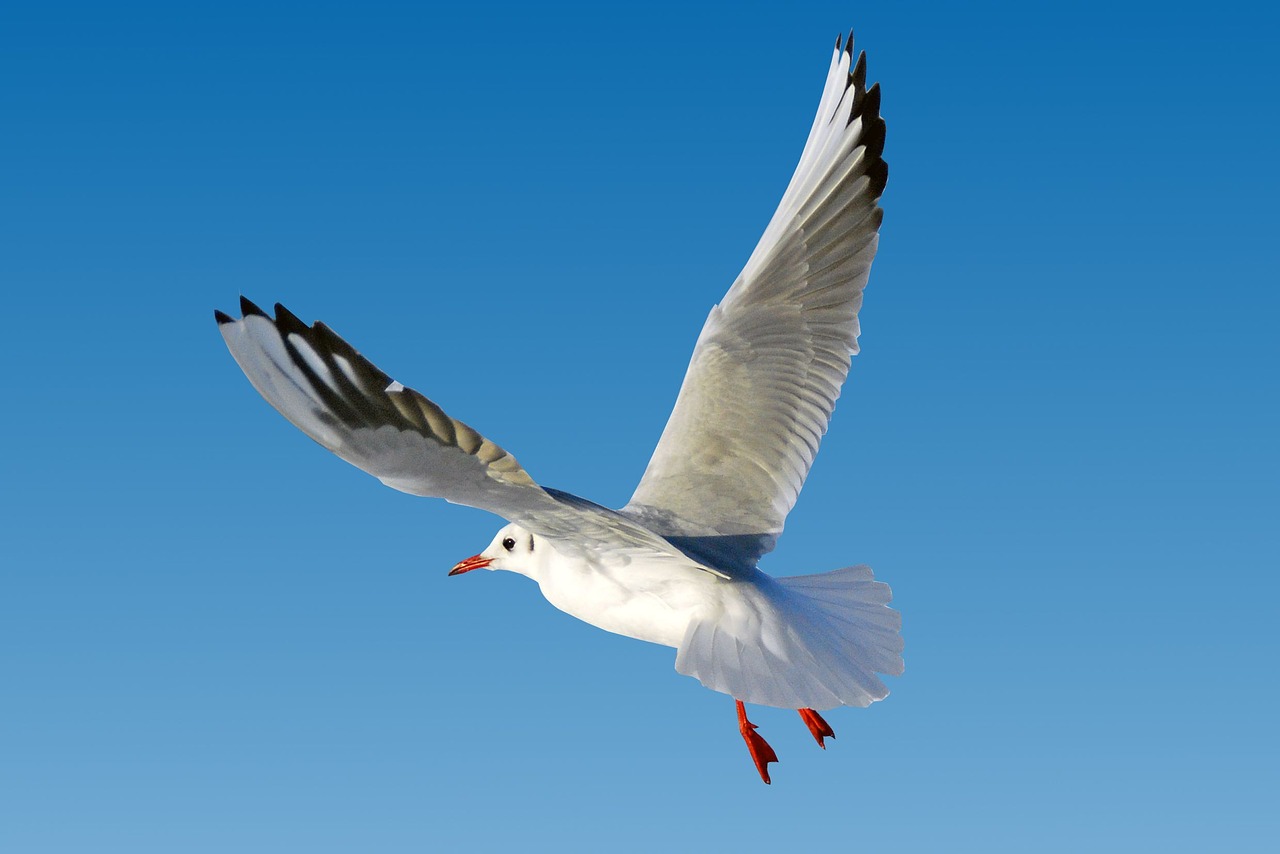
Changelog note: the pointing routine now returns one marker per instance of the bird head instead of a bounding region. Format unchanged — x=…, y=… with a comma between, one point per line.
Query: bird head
x=512, y=549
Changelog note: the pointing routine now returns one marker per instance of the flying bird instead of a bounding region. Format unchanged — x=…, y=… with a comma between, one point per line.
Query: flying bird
x=678, y=564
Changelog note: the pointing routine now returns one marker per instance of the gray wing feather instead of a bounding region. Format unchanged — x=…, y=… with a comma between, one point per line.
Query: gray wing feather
x=772, y=356
x=337, y=397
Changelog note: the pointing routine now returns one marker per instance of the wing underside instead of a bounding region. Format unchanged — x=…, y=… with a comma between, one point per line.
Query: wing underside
x=773, y=355
x=328, y=390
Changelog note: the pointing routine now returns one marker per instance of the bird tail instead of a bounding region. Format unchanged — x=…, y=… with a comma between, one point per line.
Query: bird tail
x=808, y=641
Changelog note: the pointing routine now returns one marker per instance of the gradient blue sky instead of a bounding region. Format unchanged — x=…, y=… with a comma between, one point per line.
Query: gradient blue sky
x=1058, y=445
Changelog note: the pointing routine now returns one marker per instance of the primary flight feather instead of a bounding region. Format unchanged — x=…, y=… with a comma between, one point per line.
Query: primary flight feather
x=678, y=564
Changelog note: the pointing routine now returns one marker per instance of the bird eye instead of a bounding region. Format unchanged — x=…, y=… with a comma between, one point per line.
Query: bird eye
x=508, y=544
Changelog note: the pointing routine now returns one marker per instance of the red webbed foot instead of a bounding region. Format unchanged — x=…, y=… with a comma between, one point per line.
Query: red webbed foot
x=761, y=753
x=817, y=726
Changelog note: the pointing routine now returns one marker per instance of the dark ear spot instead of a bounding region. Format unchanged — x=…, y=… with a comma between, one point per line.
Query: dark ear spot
x=531, y=542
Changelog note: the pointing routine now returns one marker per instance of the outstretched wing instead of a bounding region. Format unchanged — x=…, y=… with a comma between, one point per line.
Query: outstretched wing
x=771, y=358
x=338, y=398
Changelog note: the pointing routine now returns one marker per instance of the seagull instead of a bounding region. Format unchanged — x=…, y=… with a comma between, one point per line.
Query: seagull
x=678, y=565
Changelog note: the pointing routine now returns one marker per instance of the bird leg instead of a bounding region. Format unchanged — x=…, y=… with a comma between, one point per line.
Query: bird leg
x=817, y=726
x=761, y=753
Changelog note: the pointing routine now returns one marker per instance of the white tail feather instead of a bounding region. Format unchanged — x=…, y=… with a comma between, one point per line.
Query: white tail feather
x=809, y=641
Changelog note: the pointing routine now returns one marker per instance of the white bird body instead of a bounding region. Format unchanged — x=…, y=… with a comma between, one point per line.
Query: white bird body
x=677, y=566
x=762, y=622
x=650, y=600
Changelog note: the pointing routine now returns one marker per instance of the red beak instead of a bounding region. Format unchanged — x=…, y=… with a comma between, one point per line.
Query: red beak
x=473, y=562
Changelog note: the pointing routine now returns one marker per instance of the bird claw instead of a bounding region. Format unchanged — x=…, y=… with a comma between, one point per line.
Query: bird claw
x=817, y=726
x=761, y=753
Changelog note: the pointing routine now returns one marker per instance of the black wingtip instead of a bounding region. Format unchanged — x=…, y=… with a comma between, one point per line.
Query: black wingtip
x=858, y=77
x=873, y=136
x=222, y=317
x=247, y=308
x=871, y=104
x=848, y=45
x=878, y=173
x=288, y=321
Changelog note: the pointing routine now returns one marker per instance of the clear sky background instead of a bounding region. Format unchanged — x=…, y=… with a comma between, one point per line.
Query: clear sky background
x=1058, y=444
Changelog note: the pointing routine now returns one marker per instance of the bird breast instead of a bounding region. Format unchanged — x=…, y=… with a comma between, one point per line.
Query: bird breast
x=646, y=599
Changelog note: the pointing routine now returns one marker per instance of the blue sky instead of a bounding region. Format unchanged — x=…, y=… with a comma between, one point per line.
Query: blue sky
x=1058, y=444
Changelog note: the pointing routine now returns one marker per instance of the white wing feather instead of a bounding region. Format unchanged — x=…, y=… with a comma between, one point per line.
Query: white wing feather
x=772, y=356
